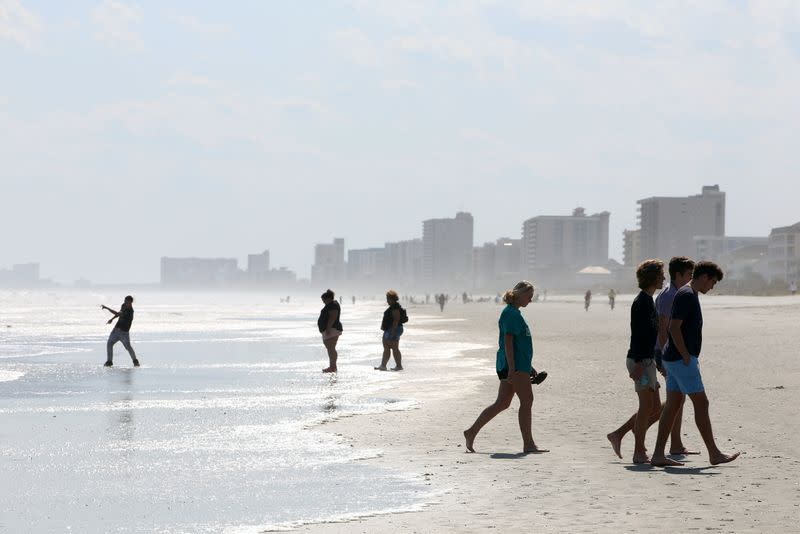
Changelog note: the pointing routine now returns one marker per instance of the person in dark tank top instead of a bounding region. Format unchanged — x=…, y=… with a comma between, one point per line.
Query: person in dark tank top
x=330, y=326
x=392, y=330
x=121, y=331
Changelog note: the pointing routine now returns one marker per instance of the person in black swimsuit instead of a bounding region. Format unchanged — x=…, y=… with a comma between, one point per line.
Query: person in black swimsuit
x=330, y=326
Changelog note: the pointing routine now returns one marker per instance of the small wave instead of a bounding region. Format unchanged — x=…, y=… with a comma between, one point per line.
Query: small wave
x=9, y=376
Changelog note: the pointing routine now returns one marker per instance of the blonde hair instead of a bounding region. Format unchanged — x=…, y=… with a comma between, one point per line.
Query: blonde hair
x=392, y=294
x=522, y=287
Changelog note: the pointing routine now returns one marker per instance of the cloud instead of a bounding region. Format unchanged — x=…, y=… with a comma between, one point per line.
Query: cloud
x=399, y=85
x=204, y=28
x=187, y=79
x=114, y=21
x=18, y=24
x=357, y=46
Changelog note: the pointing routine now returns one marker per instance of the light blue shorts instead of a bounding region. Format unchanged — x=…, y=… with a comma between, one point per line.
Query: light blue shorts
x=387, y=334
x=684, y=378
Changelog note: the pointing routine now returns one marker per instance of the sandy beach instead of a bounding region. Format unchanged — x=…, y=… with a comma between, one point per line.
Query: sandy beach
x=751, y=372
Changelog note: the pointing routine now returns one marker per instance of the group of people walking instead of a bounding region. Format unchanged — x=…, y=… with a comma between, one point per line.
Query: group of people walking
x=666, y=338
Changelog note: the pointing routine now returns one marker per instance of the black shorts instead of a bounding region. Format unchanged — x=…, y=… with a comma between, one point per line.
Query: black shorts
x=502, y=374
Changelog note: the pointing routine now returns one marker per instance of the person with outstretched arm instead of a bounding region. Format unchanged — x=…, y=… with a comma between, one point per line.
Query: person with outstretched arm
x=121, y=331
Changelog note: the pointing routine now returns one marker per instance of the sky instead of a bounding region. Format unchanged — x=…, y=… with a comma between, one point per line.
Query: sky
x=135, y=130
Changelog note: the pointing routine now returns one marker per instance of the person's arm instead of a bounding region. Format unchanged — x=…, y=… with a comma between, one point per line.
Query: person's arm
x=677, y=339
x=395, y=321
x=104, y=307
x=663, y=329
x=508, y=340
x=638, y=325
x=333, y=316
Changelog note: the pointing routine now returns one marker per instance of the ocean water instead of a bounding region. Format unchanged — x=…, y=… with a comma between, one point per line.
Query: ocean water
x=218, y=431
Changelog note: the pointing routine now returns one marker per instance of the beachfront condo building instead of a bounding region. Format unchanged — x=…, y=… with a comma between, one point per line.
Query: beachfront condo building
x=669, y=225
x=447, y=250
x=404, y=261
x=784, y=254
x=553, y=244
x=329, y=263
x=498, y=262
x=366, y=265
x=631, y=247
x=258, y=267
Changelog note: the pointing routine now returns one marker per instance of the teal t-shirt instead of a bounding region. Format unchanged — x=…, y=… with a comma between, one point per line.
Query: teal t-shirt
x=512, y=322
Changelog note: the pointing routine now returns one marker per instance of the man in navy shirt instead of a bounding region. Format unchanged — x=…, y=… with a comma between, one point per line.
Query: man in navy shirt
x=681, y=363
x=121, y=331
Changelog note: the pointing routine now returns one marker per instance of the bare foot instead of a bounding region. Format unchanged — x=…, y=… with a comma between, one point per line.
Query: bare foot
x=662, y=461
x=533, y=449
x=380, y=368
x=640, y=458
x=682, y=451
x=470, y=440
x=329, y=370
x=398, y=368
x=616, y=443
x=724, y=458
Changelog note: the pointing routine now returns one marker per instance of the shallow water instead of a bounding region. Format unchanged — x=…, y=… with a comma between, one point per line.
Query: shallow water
x=217, y=431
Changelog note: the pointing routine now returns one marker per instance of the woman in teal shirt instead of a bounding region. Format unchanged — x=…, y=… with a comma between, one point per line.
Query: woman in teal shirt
x=514, y=366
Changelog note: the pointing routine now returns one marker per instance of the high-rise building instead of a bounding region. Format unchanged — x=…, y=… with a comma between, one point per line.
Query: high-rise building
x=20, y=275
x=329, y=263
x=496, y=262
x=404, y=262
x=447, y=249
x=366, y=264
x=715, y=248
x=784, y=254
x=669, y=224
x=552, y=243
x=258, y=266
x=199, y=271
x=631, y=247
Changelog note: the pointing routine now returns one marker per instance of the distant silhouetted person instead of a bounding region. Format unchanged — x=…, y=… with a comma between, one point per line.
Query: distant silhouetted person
x=354, y=300
x=514, y=368
x=392, y=325
x=121, y=331
x=330, y=326
x=587, y=299
x=681, y=363
x=441, y=300
x=612, y=297
x=793, y=287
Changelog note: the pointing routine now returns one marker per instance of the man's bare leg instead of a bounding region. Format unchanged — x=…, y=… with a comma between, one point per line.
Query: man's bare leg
x=676, y=446
x=667, y=419
x=703, y=421
x=505, y=394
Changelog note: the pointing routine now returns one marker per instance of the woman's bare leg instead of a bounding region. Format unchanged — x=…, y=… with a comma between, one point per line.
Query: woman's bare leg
x=505, y=393
x=333, y=355
x=386, y=356
x=398, y=364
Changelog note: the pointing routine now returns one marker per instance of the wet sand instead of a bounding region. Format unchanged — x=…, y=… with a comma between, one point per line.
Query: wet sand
x=751, y=372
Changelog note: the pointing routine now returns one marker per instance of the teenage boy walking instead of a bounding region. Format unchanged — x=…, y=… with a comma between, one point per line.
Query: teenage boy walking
x=681, y=364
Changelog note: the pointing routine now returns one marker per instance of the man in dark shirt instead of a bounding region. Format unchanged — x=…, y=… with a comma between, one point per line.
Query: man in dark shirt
x=121, y=331
x=681, y=364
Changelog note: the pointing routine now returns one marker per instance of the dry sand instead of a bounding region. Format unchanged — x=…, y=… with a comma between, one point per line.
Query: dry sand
x=751, y=369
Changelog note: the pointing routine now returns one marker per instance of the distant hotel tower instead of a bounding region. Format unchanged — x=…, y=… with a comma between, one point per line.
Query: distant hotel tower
x=669, y=224
x=447, y=250
x=552, y=243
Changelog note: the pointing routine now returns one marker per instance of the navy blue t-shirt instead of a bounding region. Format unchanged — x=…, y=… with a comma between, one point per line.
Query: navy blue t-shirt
x=686, y=308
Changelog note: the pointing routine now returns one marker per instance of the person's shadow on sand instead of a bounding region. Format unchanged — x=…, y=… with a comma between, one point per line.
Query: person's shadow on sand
x=509, y=455
x=673, y=470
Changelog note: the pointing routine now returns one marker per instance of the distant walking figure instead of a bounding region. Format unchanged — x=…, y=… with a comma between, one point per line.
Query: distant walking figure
x=587, y=300
x=121, y=331
x=441, y=300
x=612, y=297
x=392, y=326
x=330, y=326
x=793, y=287
x=640, y=362
x=513, y=365
x=682, y=367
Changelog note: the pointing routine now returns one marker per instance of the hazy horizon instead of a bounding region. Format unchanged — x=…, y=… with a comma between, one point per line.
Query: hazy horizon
x=131, y=131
